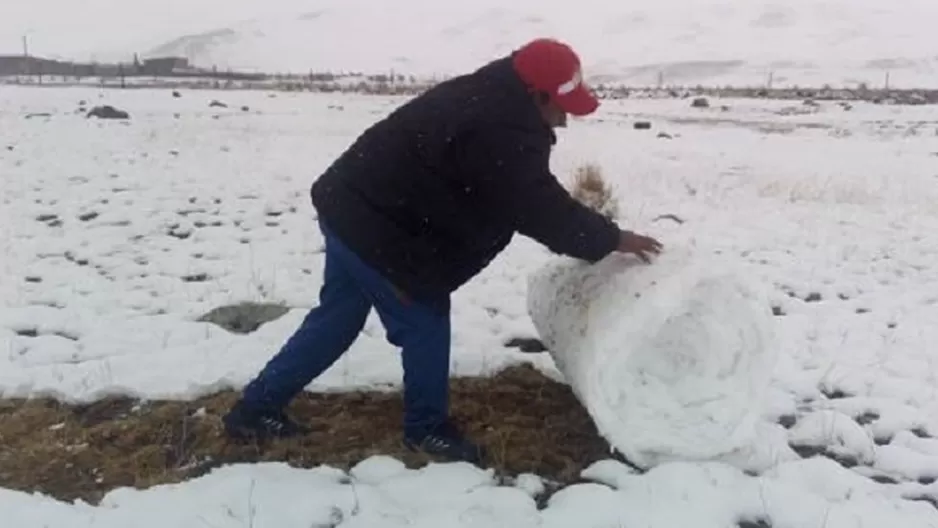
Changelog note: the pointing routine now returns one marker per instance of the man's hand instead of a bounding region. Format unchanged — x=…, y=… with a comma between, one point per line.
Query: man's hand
x=640, y=245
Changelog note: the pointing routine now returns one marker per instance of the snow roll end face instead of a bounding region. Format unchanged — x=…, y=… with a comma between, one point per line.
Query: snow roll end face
x=701, y=351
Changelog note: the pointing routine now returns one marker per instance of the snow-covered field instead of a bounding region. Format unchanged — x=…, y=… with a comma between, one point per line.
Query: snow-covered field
x=118, y=235
x=712, y=42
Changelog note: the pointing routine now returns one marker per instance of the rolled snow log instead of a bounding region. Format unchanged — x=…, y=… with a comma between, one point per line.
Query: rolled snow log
x=671, y=359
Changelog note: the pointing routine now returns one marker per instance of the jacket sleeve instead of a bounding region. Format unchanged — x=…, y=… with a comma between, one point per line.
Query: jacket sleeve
x=514, y=172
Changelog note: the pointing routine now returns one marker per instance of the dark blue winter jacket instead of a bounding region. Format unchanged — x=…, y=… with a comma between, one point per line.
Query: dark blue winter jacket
x=430, y=194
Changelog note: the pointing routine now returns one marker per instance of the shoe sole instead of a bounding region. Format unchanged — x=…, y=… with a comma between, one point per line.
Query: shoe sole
x=479, y=460
x=246, y=433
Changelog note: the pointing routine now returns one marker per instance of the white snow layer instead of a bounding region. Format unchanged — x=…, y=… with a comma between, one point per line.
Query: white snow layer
x=117, y=236
x=380, y=492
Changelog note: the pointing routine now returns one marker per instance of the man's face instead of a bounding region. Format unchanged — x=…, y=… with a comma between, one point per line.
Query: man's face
x=553, y=115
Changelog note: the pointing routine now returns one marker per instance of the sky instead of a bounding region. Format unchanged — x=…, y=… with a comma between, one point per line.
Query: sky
x=61, y=27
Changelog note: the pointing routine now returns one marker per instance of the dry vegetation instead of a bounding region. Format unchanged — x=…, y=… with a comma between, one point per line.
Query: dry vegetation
x=528, y=422
x=591, y=189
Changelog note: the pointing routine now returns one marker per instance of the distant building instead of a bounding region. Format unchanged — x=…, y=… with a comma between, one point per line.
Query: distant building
x=12, y=65
x=164, y=65
x=21, y=65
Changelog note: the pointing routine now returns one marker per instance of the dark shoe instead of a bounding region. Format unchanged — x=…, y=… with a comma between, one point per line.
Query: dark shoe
x=244, y=421
x=445, y=441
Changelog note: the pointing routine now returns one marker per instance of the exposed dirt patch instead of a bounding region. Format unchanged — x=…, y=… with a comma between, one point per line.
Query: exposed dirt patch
x=528, y=422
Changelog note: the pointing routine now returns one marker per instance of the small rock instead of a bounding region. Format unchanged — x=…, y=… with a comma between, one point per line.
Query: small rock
x=700, y=102
x=642, y=125
x=176, y=94
x=835, y=394
x=665, y=135
x=867, y=418
x=755, y=523
x=217, y=104
x=244, y=318
x=883, y=479
x=180, y=233
x=920, y=432
x=196, y=277
x=69, y=256
x=527, y=345
x=813, y=297
x=89, y=216
x=807, y=451
x=108, y=112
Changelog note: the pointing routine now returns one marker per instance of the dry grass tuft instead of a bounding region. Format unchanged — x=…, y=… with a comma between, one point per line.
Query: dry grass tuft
x=529, y=422
x=591, y=189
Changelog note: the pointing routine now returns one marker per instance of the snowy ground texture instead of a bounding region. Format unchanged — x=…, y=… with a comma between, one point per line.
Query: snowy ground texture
x=118, y=236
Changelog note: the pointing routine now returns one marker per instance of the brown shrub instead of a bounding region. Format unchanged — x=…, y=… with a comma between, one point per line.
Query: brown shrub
x=591, y=189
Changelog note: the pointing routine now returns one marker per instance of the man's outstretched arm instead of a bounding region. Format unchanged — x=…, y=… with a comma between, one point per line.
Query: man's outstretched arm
x=517, y=176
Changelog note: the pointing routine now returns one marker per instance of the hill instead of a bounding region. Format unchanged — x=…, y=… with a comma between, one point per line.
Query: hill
x=713, y=42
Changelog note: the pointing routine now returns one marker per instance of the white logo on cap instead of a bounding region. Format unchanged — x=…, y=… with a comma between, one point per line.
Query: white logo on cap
x=572, y=84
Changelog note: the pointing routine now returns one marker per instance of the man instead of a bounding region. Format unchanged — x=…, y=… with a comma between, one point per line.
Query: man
x=420, y=203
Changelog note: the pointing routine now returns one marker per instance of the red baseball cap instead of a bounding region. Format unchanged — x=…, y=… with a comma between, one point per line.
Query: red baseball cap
x=553, y=67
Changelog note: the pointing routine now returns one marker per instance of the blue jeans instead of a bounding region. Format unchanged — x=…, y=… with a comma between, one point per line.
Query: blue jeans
x=350, y=289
